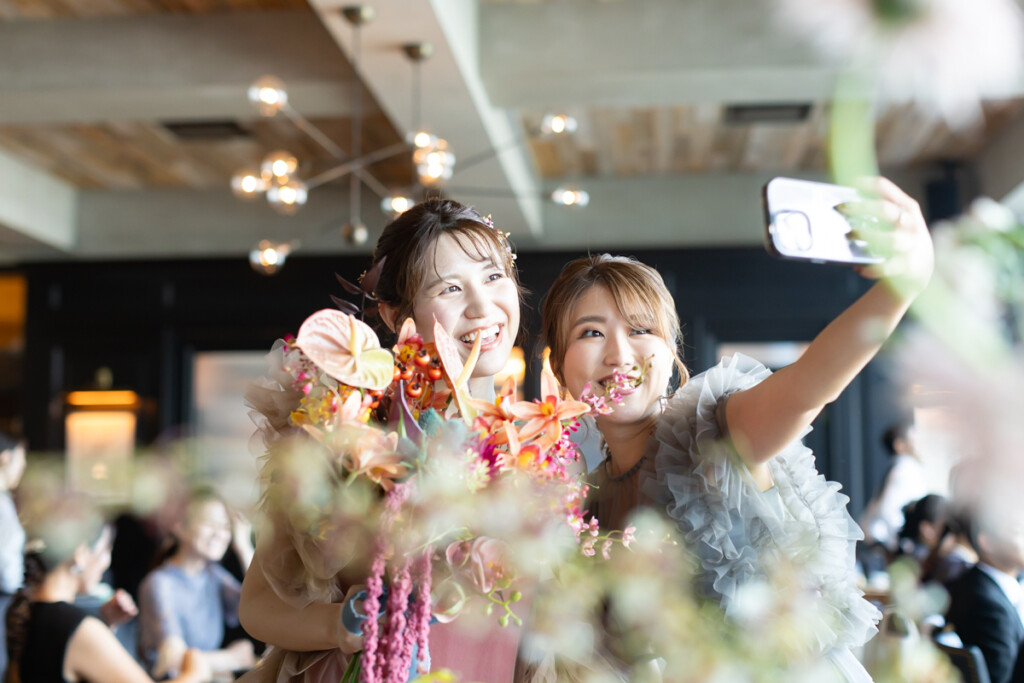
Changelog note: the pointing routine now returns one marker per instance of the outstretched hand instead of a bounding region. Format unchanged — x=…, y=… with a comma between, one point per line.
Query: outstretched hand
x=894, y=227
x=119, y=609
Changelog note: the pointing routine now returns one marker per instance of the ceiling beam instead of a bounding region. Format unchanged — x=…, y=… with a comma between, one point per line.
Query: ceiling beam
x=455, y=104
x=35, y=207
x=166, y=67
x=182, y=223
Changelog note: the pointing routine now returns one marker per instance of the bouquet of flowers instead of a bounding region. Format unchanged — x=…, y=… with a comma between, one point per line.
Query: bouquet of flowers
x=377, y=465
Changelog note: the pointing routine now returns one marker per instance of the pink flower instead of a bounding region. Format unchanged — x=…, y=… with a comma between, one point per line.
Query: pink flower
x=346, y=349
x=480, y=560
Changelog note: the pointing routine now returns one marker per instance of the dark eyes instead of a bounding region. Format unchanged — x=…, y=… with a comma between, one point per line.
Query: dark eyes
x=451, y=289
x=593, y=334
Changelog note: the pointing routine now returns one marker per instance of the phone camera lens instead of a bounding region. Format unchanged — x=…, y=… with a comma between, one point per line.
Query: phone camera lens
x=794, y=230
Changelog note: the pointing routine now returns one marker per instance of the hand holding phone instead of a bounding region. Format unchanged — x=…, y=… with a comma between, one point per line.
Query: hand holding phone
x=804, y=222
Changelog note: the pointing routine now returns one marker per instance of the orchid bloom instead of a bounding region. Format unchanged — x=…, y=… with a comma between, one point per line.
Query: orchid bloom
x=544, y=418
x=376, y=456
x=496, y=418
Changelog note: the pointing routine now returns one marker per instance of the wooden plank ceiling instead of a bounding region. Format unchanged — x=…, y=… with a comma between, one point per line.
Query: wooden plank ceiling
x=54, y=9
x=610, y=141
x=140, y=154
x=699, y=139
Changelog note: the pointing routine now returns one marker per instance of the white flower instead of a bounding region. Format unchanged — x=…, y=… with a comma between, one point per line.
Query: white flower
x=944, y=55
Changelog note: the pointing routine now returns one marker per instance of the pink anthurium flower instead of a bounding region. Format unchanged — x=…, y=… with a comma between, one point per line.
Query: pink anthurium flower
x=346, y=349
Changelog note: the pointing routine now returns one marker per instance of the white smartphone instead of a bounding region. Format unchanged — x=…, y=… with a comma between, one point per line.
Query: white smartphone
x=802, y=223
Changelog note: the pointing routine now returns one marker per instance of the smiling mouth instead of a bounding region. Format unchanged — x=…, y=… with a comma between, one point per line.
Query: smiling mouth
x=625, y=389
x=488, y=336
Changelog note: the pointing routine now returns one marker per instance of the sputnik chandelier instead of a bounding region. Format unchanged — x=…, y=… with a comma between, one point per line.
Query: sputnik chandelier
x=277, y=179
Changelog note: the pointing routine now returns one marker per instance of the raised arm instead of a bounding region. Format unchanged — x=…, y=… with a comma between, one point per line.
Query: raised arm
x=762, y=420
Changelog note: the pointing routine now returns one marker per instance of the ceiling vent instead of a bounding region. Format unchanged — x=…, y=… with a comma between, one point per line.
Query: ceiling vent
x=205, y=130
x=767, y=113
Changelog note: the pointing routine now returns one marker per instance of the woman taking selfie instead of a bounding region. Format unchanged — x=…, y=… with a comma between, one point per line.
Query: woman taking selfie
x=722, y=456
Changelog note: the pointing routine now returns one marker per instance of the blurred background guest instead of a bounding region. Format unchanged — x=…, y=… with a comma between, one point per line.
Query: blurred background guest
x=48, y=638
x=903, y=482
x=987, y=603
x=12, y=535
x=190, y=599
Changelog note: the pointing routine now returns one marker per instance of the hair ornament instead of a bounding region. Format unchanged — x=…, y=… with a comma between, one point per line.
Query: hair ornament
x=502, y=237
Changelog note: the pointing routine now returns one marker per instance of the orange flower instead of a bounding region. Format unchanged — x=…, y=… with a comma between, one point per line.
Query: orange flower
x=544, y=418
x=376, y=455
x=496, y=417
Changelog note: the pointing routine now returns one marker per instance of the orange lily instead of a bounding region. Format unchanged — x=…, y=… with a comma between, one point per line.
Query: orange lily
x=544, y=418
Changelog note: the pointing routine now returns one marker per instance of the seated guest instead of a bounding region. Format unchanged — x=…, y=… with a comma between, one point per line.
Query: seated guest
x=986, y=603
x=953, y=555
x=49, y=640
x=189, y=599
x=922, y=529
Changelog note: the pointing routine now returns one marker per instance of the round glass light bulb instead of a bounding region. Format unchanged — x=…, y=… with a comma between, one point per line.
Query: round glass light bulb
x=278, y=167
x=557, y=124
x=396, y=204
x=569, y=197
x=424, y=139
x=268, y=95
x=267, y=257
x=248, y=183
x=289, y=197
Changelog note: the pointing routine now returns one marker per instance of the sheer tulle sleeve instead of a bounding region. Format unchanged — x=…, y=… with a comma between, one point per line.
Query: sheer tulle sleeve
x=299, y=565
x=739, y=532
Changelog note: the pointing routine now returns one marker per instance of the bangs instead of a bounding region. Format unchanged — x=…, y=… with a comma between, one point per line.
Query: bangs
x=482, y=243
x=641, y=306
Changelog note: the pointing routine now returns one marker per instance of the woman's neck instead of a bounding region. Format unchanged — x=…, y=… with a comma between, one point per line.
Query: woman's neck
x=482, y=387
x=626, y=443
x=57, y=586
x=189, y=562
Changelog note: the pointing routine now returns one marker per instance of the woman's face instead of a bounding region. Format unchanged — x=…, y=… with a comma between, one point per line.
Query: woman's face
x=601, y=342
x=469, y=296
x=207, y=530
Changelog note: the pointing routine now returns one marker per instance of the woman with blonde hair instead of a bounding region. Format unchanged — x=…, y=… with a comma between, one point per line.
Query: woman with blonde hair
x=722, y=455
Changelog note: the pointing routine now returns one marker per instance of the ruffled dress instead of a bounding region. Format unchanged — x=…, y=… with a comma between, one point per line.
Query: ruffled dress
x=740, y=533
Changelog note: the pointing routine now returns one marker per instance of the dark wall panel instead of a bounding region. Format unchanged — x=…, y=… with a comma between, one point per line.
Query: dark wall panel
x=145, y=321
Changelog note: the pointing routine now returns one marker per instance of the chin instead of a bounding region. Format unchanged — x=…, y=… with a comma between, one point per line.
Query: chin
x=491, y=363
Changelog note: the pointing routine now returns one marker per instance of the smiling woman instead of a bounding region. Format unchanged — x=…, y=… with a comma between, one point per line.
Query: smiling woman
x=442, y=261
